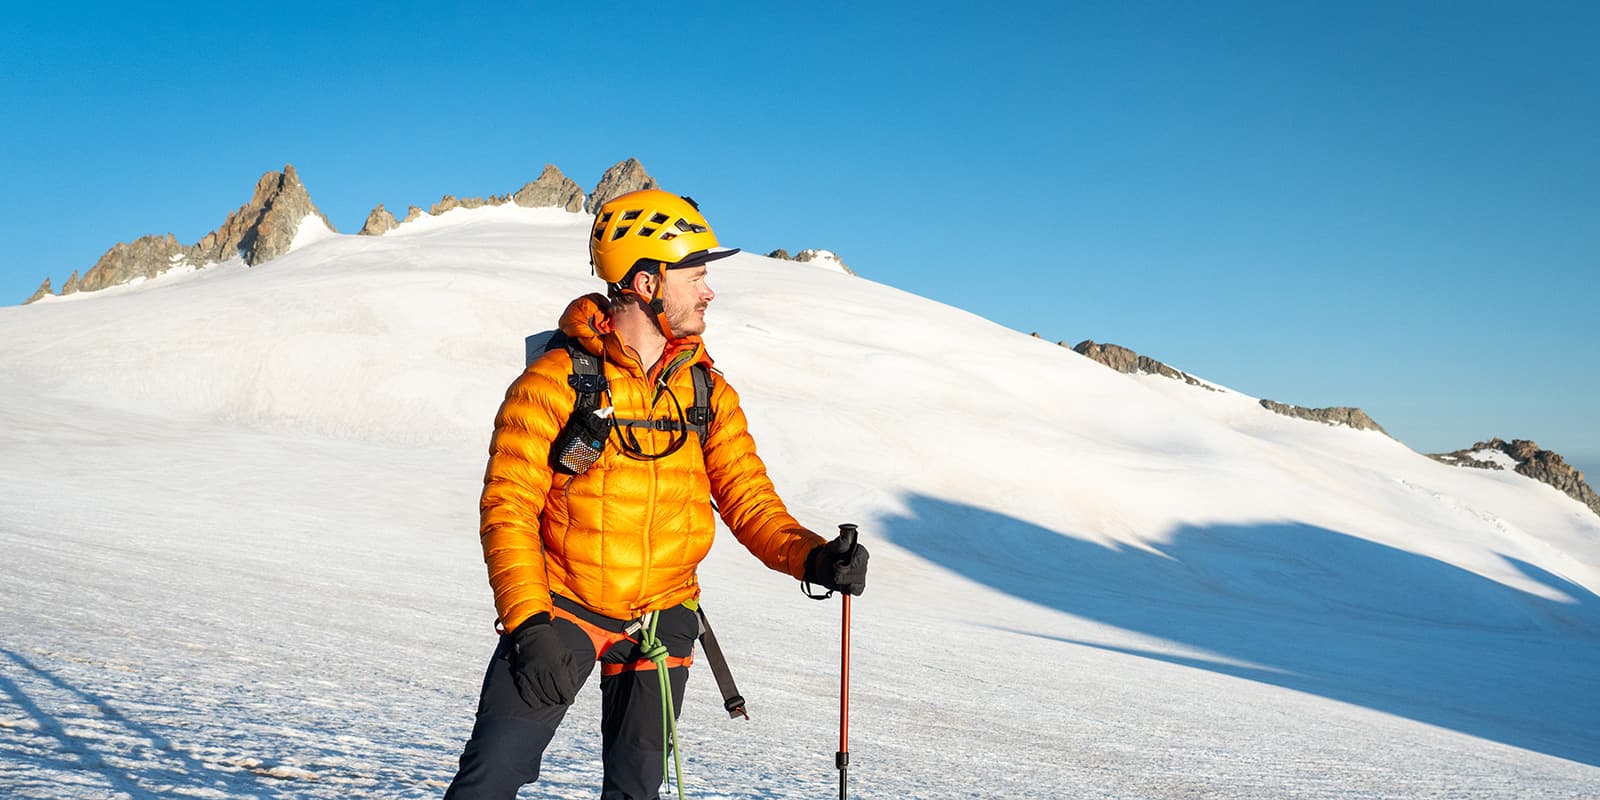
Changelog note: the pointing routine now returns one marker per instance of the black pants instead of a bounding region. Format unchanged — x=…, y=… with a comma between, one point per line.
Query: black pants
x=509, y=736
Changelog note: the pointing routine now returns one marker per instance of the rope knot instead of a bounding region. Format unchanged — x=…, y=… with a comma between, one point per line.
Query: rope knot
x=654, y=650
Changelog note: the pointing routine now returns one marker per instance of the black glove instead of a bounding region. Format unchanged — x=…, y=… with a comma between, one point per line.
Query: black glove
x=837, y=566
x=541, y=665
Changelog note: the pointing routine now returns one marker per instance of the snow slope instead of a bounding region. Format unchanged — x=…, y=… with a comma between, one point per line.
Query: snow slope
x=238, y=553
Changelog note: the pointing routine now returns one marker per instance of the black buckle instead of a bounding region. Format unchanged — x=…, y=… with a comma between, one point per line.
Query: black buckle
x=588, y=384
x=698, y=415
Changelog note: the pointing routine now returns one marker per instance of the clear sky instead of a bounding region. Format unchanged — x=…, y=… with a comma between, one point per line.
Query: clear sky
x=1391, y=205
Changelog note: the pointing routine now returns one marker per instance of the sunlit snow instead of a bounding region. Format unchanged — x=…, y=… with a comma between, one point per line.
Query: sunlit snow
x=239, y=555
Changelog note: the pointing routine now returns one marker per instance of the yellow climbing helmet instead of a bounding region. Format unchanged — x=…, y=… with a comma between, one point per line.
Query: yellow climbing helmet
x=653, y=226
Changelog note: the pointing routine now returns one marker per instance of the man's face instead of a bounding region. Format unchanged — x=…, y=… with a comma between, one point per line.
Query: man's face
x=685, y=295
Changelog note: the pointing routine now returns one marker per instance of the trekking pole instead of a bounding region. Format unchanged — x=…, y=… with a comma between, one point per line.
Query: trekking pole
x=847, y=535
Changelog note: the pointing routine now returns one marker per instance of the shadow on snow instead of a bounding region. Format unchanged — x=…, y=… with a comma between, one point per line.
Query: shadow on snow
x=1309, y=609
x=84, y=744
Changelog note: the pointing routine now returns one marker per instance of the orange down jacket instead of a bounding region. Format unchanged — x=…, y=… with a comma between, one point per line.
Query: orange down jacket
x=626, y=536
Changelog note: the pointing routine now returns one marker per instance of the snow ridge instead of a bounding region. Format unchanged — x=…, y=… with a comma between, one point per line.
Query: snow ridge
x=241, y=553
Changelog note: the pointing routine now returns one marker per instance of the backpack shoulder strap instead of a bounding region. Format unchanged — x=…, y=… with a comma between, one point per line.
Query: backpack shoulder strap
x=588, y=378
x=699, y=415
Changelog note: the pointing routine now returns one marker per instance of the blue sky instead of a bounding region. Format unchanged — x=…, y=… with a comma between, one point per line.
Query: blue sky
x=1390, y=205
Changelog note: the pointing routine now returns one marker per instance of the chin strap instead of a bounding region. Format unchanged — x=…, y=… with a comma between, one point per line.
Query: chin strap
x=656, y=303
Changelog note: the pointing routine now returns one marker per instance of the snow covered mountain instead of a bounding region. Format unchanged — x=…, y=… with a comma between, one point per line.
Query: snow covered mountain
x=238, y=553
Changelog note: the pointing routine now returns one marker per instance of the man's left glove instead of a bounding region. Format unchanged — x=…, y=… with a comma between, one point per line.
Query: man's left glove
x=541, y=665
x=838, y=566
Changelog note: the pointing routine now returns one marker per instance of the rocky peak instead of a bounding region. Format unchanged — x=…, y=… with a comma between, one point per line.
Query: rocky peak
x=379, y=222
x=263, y=228
x=551, y=190
x=1345, y=416
x=40, y=293
x=825, y=258
x=258, y=232
x=623, y=177
x=144, y=257
x=1124, y=360
x=1532, y=461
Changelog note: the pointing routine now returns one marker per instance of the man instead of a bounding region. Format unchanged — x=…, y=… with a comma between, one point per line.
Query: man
x=592, y=543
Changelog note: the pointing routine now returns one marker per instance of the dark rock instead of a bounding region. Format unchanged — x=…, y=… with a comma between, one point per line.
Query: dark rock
x=625, y=176
x=1347, y=416
x=550, y=190
x=1534, y=462
x=379, y=222
x=258, y=232
x=445, y=203
x=145, y=257
x=263, y=228
x=780, y=253
x=824, y=256
x=1463, y=458
x=43, y=291
x=1124, y=360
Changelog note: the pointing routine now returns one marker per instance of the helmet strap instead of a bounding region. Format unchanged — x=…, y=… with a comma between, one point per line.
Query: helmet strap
x=658, y=304
x=655, y=303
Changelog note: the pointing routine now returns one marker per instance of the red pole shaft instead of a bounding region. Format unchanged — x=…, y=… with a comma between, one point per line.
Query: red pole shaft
x=844, y=683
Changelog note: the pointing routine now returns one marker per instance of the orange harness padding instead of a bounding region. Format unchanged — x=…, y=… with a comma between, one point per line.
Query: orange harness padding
x=603, y=640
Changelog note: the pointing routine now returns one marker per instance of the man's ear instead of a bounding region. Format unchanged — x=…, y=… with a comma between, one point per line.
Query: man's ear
x=644, y=283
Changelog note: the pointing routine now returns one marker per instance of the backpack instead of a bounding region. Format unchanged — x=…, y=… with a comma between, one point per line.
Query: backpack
x=584, y=436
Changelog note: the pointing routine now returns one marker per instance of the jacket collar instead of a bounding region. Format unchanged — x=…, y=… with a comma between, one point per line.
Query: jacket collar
x=587, y=321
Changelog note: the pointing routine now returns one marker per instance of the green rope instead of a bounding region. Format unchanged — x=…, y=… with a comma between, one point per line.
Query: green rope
x=653, y=649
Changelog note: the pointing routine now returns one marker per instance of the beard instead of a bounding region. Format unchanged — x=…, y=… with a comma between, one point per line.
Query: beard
x=687, y=320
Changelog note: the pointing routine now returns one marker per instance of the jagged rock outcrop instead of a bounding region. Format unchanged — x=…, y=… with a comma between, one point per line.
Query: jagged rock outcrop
x=257, y=231
x=263, y=228
x=825, y=257
x=43, y=291
x=1466, y=458
x=144, y=257
x=625, y=176
x=72, y=286
x=550, y=190
x=1545, y=466
x=1335, y=415
x=379, y=222
x=1122, y=359
x=412, y=213
x=445, y=203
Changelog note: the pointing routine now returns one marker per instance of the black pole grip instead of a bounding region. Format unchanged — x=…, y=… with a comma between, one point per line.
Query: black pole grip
x=847, y=537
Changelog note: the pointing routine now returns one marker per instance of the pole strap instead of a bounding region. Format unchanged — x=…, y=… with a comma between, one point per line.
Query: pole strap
x=732, y=701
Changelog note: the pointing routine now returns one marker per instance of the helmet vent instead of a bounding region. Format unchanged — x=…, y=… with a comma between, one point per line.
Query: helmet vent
x=659, y=218
x=631, y=214
x=622, y=230
x=604, y=218
x=690, y=227
x=647, y=231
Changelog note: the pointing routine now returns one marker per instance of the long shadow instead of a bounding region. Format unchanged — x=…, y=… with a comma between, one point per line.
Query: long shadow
x=77, y=753
x=1310, y=609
